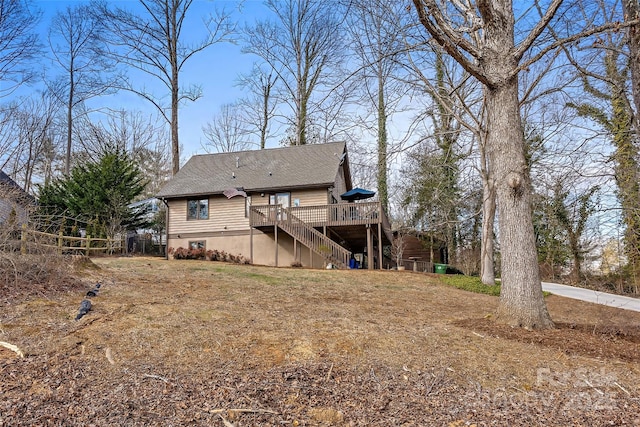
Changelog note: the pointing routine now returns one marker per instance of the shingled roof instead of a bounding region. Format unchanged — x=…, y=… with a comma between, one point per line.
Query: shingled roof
x=305, y=166
x=6, y=180
x=15, y=190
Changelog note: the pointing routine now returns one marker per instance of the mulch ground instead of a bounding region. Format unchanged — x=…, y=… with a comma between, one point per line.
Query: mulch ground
x=210, y=344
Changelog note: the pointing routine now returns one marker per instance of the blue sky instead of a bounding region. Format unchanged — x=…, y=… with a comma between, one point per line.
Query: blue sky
x=215, y=70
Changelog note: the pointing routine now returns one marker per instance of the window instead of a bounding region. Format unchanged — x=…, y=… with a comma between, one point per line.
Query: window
x=247, y=206
x=197, y=244
x=198, y=209
x=283, y=199
x=280, y=199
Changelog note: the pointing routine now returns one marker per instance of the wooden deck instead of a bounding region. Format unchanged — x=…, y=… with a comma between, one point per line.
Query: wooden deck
x=345, y=228
x=340, y=215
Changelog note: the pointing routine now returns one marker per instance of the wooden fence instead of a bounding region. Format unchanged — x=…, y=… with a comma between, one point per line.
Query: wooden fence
x=416, y=265
x=65, y=244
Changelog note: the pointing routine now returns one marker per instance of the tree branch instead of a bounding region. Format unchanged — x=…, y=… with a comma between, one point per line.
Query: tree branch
x=537, y=30
x=448, y=38
x=596, y=30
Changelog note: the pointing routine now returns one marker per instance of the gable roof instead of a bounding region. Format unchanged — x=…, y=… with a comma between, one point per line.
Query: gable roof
x=17, y=192
x=304, y=166
x=6, y=179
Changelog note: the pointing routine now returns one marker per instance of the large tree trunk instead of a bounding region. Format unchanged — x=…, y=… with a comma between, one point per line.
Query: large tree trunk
x=264, y=125
x=383, y=192
x=175, y=143
x=487, y=266
x=521, y=299
x=67, y=156
x=631, y=10
x=174, y=32
x=496, y=65
x=626, y=152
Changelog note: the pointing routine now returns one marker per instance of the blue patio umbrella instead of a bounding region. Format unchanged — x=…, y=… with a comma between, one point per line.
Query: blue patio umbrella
x=357, y=194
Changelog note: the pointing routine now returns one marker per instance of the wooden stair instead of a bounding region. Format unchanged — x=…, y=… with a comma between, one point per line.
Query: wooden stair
x=322, y=245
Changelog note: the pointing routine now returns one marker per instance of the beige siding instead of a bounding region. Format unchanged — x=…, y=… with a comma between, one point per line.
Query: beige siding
x=310, y=197
x=228, y=214
x=224, y=214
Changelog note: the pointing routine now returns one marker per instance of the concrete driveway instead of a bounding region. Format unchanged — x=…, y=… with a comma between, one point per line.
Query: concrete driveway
x=588, y=295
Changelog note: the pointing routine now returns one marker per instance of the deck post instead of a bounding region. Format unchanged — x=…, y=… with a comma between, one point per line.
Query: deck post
x=369, y=248
x=295, y=249
x=275, y=232
x=379, y=245
x=251, y=245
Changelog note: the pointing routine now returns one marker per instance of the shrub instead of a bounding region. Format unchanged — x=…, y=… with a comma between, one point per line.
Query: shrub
x=198, y=253
x=209, y=255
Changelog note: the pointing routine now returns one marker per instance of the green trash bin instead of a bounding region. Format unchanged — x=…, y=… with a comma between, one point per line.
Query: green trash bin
x=440, y=268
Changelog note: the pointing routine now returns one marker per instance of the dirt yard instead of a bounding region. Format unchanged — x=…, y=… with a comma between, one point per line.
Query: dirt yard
x=210, y=344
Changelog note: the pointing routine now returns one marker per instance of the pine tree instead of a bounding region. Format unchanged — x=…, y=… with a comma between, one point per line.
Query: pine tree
x=99, y=194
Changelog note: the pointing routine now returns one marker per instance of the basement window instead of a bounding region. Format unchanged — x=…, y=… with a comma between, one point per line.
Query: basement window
x=197, y=244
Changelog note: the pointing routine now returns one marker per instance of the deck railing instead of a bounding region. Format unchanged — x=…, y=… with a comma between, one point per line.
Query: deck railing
x=338, y=214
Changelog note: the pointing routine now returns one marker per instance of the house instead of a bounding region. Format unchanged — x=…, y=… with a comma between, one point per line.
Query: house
x=276, y=207
x=14, y=202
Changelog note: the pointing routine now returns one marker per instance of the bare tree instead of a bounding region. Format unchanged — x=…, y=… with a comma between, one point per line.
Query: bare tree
x=259, y=105
x=496, y=61
x=34, y=130
x=631, y=9
x=604, y=71
x=487, y=247
x=572, y=213
x=7, y=139
x=226, y=132
x=154, y=43
x=18, y=44
x=436, y=161
x=135, y=133
x=456, y=112
x=377, y=43
x=74, y=40
x=301, y=46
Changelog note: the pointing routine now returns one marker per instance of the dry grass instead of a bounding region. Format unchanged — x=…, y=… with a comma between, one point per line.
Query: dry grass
x=315, y=347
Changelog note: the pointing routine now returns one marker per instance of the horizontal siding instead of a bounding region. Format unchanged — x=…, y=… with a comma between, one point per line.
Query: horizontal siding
x=228, y=214
x=224, y=214
x=310, y=197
